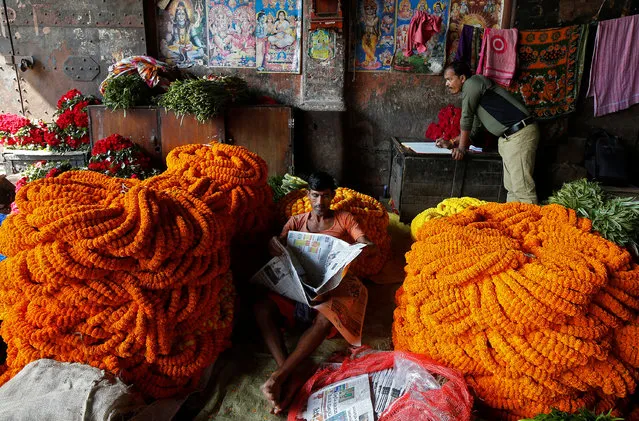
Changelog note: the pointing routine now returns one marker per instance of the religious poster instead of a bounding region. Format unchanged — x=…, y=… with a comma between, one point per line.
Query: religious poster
x=182, y=33
x=483, y=13
x=322, y=44
x=374, y=44
x=231, y=39
x=433, y=57
x=278, y=35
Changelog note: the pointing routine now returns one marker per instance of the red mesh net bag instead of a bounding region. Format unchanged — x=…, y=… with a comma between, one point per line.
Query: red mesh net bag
x=432, y=392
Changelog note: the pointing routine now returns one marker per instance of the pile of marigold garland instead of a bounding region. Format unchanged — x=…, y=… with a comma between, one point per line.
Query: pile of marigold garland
x=126, y=275
x=446, y=207
x=533, y=308
x=369, y=214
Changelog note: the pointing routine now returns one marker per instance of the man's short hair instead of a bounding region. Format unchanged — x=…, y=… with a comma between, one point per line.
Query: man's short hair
x=321, y=181
x=460, y=68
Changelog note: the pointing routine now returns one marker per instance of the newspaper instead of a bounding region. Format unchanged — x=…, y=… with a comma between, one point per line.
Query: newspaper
x=347, y=400
x=309, y=268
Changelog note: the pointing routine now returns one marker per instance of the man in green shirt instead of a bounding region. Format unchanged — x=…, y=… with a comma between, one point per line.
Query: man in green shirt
x=484, y=103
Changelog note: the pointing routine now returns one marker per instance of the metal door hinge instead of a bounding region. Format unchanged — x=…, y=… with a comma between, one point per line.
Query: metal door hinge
x=24, y=63
x=291, y=123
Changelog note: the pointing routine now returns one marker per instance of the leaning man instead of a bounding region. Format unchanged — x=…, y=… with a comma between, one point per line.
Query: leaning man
x=484, y=103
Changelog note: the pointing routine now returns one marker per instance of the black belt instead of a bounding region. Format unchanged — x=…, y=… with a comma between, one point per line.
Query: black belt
x=518, y=126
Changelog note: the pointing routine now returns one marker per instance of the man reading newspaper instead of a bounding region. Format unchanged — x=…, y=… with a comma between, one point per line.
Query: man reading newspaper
x=273, y=309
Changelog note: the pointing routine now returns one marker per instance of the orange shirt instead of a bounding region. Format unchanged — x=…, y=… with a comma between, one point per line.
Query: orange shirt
x=345, y=226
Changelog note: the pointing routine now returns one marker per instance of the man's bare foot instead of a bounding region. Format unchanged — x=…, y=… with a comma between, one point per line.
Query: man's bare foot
x=272, y=390
x=290, y=388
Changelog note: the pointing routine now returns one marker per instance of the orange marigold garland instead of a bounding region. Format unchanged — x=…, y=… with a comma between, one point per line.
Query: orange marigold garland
x=131, y=277
x=533, y=308
x=369, y=214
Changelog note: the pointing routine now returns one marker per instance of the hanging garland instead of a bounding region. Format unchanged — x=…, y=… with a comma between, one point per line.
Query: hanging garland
x=533, y=308
x=369, y=214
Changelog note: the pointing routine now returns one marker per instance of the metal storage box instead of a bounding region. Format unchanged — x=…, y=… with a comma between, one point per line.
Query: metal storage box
x=421, y=181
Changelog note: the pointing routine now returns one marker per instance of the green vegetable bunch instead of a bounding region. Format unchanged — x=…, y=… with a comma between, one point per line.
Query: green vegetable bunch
x=204, y=98
x=127, y=91
x=284, y=185
x=616, y=219
x=582, y=415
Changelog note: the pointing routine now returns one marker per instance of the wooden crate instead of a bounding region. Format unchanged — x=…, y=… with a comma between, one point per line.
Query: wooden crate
x=265, y=130
x=421, y=181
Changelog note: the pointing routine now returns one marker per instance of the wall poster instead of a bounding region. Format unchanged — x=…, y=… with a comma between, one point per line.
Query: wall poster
x=182, y=33
x=231, y=39
x=484, y=13
x=432, y=60
x=374, y=43
x=278, y=35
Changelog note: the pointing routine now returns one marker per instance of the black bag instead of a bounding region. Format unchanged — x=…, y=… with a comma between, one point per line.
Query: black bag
x=606, y=158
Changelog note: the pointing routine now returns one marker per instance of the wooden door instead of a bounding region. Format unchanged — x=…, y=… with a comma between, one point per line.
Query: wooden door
x=265, y=130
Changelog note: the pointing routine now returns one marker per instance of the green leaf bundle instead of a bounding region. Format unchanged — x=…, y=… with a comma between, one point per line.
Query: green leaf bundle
x=126, y=91
x=582, y=415
x=616, y=219
x=203, y=98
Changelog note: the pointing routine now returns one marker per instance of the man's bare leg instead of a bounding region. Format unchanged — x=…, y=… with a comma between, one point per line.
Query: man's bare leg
x=266, y=314
x=308, y=343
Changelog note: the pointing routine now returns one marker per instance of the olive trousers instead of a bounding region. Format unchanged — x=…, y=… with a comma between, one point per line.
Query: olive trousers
x=518, y=156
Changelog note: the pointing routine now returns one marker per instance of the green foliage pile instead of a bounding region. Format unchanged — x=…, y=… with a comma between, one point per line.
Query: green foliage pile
x=204, y=98
x=582, y=415
x=127, y=91
x=616, y=218
x=282, y=186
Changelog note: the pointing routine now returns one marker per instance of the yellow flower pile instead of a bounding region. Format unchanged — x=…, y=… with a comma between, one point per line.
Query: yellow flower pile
x=446, y=207
x=369, y=213
x=129, y=276
x=533, y=308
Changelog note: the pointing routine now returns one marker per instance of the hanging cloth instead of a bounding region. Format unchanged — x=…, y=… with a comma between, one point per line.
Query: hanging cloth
x=615, y=64
x=469, y=45
x=498, y=56
x=421, y=29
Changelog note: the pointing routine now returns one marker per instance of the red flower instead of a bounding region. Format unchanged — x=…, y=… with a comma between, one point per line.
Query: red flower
x=69, y=95
x=53, y=172
x=11, y=123
x=51, y=138
x=65, y=119
x=447, y=126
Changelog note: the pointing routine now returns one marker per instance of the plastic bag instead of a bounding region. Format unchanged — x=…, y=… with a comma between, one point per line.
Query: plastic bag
x=427, y=391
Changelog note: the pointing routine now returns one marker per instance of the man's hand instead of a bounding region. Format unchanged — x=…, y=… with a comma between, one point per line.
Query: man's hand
x=443, y=143
x=458, y=154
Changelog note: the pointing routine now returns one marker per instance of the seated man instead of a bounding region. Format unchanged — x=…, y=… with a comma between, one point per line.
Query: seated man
x=270, y=308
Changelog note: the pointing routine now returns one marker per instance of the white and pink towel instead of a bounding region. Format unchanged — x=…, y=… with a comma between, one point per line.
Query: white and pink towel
x=614, y=74
x=498, y=55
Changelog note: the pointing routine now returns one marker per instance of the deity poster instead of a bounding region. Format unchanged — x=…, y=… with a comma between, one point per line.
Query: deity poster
x=182, y=33
x=231, y=33
x=373, y=46
x=278, y=35
x=484, y=13
x=432, y=60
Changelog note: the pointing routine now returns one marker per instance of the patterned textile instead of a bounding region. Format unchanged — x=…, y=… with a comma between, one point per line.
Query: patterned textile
x=147, y=67
x=551, y=65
